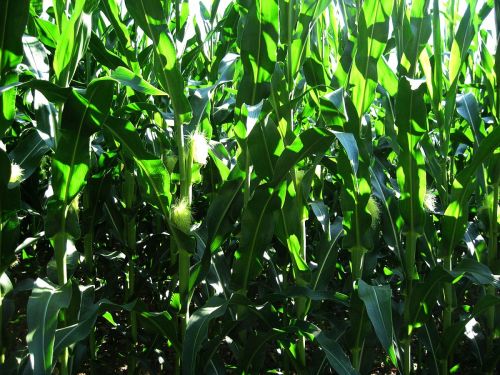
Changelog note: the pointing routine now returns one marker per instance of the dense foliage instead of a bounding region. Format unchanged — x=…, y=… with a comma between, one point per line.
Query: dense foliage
x=268, y=186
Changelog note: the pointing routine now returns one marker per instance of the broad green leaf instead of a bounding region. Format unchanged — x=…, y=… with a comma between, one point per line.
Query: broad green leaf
x=377, y=300
x=333, y=351
x=461, y=41
x=103, y=55
x=373, y=30
x=12, y=24
x=52, y=92
x=387, y=77
x=73, y=43
x=82, y=116
x=456, y=214
x=265, y=146
x=29, y=152
x=450, y=337
x=112, y=12
x=255, y=349
x=411, y=175
x=257, y=228
x=155, y=180
x=43, y=308
x=329, y=250
x=311, y=141
x=468, y=108
x=477, y=272
x=259, y=43
x=151, y=18
x=162, y=323
x=391, y=230
x=288, y=230
x=85, y=320
x=297, y=38
x=9, y=222
x=224, y=210
x=134, y=81
x=425, y=295
x=197, y=331
x=416, y=35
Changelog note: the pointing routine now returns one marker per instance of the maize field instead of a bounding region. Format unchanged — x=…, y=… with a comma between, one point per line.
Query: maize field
x=249, y=187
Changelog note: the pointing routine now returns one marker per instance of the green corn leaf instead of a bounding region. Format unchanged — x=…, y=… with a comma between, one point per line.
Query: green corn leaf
x=297, y=39
x=103, y=55
x=334, y=353
x=462, y=40
x=265, y=146
x=455, y=216
x=197, y=330
x=155, y=180
x=224, y=210
x=450, y=337
x=85, y=320
x=377, y=300
x=52, y=92
x=373, y=29
x=416, y=35
x=10, y=199
x=387, y=77
x=134, y=81
x=425, y=296
x=257, y=228
x=29, y=152
x=329, y=250
x=411, y=176
x=44, y=304
x=163, y=323
x=259, y=43
x=250, y=357
x=72, y=44
x=82, y=116
x=391, y=221
x=478, y=272
x=12, y=24
x=311, y=141
x=288, y=231
x=150, y=17
x=468, y=108
x=112, y=11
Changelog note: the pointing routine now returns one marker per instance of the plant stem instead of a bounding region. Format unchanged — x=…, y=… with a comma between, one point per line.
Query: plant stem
x=184, y=257
x=448, y=309
x=411, y=247
x=89, y=262
x=302, y=302
x=492, y=263
x=130, y=235
x=62, y=278
x=357, y=258
x=248, y=178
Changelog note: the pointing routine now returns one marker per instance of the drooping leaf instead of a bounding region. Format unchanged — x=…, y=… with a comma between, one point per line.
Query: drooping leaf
x=257, y=228
x=44, y=304
x=197, y=330
x=377, y=300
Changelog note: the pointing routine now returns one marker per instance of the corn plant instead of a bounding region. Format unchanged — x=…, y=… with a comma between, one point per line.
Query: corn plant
x=268, y=186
